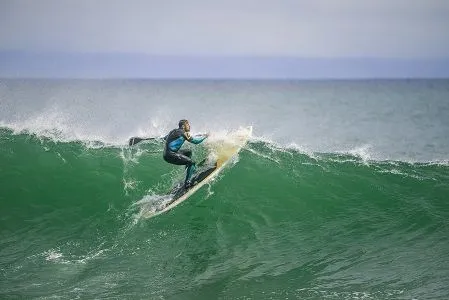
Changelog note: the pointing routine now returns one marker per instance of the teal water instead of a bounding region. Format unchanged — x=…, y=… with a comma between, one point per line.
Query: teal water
x=277, y=224
x=341, y=193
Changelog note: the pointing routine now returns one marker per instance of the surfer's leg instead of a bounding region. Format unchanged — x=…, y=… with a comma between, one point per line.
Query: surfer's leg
x=190, y=170
x=178, y=158
x=189, y=163
x=186, y=152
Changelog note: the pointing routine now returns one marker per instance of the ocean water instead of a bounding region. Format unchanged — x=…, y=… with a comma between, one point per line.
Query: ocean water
x=342, y=192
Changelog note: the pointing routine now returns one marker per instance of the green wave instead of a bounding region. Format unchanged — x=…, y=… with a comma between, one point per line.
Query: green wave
x=276, y=222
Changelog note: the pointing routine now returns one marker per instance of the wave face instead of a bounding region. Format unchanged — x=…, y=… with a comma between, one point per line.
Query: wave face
x=278, y=223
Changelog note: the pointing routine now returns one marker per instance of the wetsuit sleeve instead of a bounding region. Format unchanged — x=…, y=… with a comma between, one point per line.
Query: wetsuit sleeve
x=195, y=139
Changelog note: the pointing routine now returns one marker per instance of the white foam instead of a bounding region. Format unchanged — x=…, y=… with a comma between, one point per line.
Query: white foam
x=443, y=163
x=53, y=255
x=229, y=135
x=131, y=155
x=129, y=184
x=362, y=152
x=263, y=155
x=148, y=204
x=56, y=256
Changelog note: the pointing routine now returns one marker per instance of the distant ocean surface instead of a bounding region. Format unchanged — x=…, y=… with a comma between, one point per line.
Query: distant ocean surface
x=341, y=193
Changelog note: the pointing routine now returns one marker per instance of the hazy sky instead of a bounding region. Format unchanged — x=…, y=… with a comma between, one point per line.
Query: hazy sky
x=331, y=29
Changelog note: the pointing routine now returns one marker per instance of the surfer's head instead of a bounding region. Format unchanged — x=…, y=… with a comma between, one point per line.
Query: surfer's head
x=184, y=124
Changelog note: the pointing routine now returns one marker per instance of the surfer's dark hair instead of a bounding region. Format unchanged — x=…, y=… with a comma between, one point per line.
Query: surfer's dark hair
x=182, y=122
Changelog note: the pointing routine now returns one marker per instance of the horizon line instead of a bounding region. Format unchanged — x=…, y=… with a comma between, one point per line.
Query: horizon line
x=120, y=65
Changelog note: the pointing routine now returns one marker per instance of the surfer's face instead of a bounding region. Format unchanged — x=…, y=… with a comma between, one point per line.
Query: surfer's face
x=186, y=126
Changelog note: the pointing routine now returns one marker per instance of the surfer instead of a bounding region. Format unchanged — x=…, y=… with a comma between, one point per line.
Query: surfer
x=173, y=142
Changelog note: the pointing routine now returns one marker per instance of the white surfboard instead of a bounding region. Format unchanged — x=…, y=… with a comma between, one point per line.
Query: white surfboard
x=222, y=150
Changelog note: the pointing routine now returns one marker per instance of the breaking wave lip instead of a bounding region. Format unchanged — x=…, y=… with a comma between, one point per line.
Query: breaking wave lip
x=275, y=146
x=364, y=153
x=53, y=124
x=45, y=129
x=58, y=136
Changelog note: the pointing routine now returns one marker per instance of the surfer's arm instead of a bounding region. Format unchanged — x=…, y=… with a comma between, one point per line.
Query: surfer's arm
x=195, y=139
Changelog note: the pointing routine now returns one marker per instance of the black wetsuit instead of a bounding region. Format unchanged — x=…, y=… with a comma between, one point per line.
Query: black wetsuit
x=172, y=153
